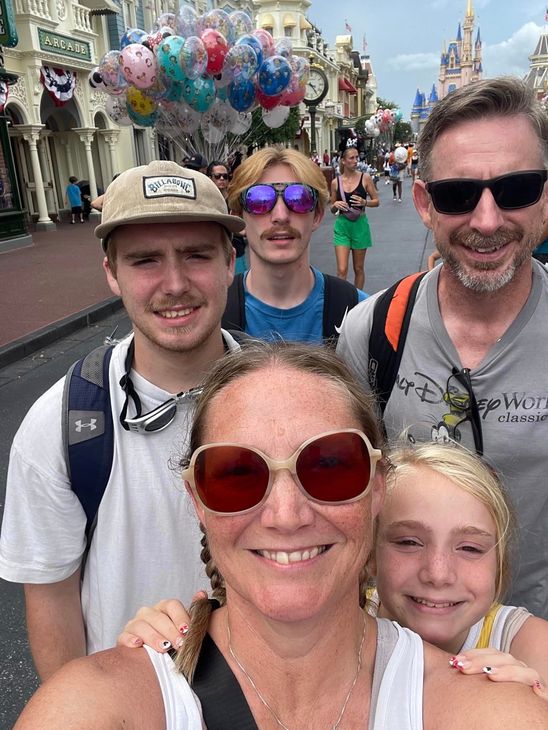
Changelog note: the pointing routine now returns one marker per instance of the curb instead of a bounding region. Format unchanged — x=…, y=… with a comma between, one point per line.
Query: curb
x=28, y=344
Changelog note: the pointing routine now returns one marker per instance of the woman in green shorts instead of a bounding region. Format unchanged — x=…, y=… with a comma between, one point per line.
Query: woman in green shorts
x=352, y=235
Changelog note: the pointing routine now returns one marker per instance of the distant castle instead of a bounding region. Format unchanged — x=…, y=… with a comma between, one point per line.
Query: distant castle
x=460, y=65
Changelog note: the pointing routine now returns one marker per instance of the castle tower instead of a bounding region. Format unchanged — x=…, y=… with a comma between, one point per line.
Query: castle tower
x=537, y=76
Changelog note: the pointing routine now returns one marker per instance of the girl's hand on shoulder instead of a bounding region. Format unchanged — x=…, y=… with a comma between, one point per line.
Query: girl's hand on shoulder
x=160, y=627
x=499, y=667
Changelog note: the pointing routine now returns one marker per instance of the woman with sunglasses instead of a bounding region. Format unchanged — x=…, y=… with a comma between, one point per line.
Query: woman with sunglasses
x=442, y=560
x=218, y=172
x=351, y=193
x=286, y=490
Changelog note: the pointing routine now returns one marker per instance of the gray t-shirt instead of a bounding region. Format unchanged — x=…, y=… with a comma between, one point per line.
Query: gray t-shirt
x=511, y=389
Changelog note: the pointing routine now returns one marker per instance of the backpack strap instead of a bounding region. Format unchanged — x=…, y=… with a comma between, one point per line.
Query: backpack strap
x=234, y=314
x=224, y=706
x=339, y=297
x=391, y=318
x=88, y=433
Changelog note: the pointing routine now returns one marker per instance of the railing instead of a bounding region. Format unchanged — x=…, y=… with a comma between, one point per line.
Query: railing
x=81, y=18
x=40, y=8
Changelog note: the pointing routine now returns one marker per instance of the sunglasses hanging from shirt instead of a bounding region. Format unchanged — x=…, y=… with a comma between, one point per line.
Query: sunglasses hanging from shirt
x=157, y=419
x=511, y=192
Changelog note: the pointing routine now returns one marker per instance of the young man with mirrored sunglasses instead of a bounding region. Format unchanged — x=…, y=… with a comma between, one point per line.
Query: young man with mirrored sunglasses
x=473, y=368
x=166, y=234
x=281, y=195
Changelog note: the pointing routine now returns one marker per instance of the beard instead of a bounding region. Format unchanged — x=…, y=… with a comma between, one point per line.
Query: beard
x=475, y=276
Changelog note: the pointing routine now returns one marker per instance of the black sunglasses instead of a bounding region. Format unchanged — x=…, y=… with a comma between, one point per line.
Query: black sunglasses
x=220, y=175
x=511, y=191
x=463, y=406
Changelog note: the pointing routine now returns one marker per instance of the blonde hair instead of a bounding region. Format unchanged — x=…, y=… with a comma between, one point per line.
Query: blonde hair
x=470, y=474
x=251, y=171
x=256, y=356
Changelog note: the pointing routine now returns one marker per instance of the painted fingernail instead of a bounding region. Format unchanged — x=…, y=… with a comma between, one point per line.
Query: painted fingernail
x=179, y=642
x=166, y=644
x=488, y=670
x=183, y=629
x=537, y=684
x=454, y=662
x=136, y=641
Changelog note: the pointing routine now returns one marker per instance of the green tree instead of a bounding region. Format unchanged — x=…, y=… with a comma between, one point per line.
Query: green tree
x=386, y=104
x=259, y=134
x=403, y=132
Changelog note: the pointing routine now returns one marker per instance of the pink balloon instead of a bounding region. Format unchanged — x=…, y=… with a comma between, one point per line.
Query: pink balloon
x=138, y=65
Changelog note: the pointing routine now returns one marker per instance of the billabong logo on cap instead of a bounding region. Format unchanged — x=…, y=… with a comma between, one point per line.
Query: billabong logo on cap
x=169, y=187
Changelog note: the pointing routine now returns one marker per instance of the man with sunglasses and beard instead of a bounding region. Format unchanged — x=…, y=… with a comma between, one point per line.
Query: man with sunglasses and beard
x=473, y=367
x=281, y=195
x=166, y=235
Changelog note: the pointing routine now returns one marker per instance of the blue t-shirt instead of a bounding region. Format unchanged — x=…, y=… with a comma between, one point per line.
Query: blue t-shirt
x=303, y=323
x=542, y=248
x=74, y=195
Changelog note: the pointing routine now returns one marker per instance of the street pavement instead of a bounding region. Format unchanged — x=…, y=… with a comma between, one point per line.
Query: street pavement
x=56, y=307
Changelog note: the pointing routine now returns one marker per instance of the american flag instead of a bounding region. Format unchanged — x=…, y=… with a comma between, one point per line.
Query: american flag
x=349, y=27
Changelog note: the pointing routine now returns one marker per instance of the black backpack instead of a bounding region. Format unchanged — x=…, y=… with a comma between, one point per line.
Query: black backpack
x=339, y=298
x=391, y=318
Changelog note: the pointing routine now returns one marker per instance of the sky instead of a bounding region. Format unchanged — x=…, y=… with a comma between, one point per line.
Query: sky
x=405, y=39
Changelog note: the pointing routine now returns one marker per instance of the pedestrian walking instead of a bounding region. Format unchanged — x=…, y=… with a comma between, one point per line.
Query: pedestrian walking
x=349, y=193
x=73, y=198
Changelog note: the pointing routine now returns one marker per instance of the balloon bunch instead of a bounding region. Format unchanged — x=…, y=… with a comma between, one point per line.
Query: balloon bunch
x=200, y=76
x=382, y=122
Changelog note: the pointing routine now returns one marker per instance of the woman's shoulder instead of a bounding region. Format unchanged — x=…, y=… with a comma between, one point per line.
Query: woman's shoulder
x=493, y=706
x=109, y=689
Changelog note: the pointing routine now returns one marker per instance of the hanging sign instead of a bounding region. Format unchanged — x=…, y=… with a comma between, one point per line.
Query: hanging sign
x=8, y=31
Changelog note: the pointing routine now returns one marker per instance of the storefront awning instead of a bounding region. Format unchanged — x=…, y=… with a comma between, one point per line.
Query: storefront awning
x=305, y=25
x=97, y=5
x=345, y=85
x=289, y=20
x=267, y=21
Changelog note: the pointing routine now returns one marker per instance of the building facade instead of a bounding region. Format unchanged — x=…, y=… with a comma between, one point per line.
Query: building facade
x=460, y=65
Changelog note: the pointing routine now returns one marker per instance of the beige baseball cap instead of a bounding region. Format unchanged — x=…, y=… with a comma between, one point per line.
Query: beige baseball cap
x=164, y=192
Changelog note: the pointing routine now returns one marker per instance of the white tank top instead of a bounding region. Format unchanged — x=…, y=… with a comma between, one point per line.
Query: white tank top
x=396, y=695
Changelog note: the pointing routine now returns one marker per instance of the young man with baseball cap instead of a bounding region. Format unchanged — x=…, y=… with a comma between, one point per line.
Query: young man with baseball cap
x=166, y=235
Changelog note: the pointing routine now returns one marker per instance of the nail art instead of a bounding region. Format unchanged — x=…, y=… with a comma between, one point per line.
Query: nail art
x=454, y=662
x=183, y=630
x=488, y=670
x=180, y=641
x=166, y=644
x=537, y=684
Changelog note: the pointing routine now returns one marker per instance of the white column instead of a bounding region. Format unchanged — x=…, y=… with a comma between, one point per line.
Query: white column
x=44, y=165
x=111, y=137
x=31, y=133
x=86, y=136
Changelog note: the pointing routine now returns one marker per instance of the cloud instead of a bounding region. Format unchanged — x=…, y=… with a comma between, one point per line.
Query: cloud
x=511, y=56
x=413, y=61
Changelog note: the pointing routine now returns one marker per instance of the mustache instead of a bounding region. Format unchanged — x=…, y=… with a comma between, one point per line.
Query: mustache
x=168, y=303
x=276, y=230
x=473, y=239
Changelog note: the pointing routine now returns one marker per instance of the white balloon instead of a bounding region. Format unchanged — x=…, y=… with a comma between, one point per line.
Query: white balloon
x=242, y=123
x=274, y=118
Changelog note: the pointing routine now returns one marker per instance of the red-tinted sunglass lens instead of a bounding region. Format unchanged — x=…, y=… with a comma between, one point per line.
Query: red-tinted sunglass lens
x=260, y=199
x=230, y=478
x=299, y=198
x=335, y=467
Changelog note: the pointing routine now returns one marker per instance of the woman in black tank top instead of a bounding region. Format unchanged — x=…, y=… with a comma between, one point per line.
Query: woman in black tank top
x=354, y=191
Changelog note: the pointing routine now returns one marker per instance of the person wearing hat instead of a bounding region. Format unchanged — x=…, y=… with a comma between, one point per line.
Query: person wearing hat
x=166, y=235
x=196, y=162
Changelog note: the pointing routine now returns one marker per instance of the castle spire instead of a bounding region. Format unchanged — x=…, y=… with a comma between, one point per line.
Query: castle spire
x=469, y=9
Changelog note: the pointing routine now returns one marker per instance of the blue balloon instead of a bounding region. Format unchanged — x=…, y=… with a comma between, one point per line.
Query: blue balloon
x=132, y=35
x=174, y=92
x=250, y=40
x=274, y=75
x=241, y=95
x=140, y=119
